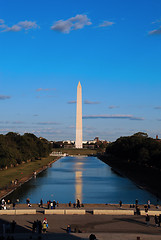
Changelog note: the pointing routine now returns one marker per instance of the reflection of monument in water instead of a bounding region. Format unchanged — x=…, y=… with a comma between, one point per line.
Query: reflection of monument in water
x=78, y=180
x=78, y=142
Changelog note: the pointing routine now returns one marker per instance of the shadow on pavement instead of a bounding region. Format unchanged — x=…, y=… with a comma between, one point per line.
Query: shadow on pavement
x=11, y=231
x=131, y=221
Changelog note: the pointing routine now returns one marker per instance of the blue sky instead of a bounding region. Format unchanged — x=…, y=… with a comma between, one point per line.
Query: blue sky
x=113, y=47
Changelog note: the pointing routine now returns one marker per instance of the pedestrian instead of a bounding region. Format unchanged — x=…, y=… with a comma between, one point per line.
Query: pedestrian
x=34, y=227
x=78, y=203
x=68, y=229
x=136, y=202
x=146, y=208
x=137, y=210
x=74, y=205
x=13, y=225
x=69, y=204
x=39, y=227
x=159, y=220
x=147, y=219
x=41, y=203
x=148, y=204
x=120, y=204
x=45, y=220
x=51, y=205
x=156, y=220
x=44, y=227
x=54, y=204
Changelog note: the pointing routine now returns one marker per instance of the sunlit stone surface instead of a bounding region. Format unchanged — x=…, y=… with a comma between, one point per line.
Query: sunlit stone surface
x=78, y=143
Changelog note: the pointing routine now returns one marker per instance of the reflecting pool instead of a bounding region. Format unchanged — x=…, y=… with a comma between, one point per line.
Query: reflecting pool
x=86, y=178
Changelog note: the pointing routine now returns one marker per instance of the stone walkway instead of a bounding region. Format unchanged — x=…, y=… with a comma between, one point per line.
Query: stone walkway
x=103, y=226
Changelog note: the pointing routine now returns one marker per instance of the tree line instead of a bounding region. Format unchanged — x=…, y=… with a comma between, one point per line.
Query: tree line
x=138, y=148
x=15, y=149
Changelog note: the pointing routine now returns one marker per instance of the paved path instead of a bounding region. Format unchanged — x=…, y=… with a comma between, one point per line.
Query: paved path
x=87, y=206
x=103, y=226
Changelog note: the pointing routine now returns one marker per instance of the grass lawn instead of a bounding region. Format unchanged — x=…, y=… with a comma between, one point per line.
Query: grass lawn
x=24, y=170
x=74, y=151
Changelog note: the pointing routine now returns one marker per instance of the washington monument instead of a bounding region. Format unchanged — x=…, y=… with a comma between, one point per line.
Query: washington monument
x=78, y=143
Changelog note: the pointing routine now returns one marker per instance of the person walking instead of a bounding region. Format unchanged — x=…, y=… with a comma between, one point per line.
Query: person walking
x=44, y=227
x=148, y=204
x=78, y=203
x=159, y=220
x=54, y=204
x=120, y=204
x=156, y=220
x=39, y=227
x=13, y=225
x=41, y=203
x=68, y=229
x=45, y=220
x=147, y=219
x=34, y=227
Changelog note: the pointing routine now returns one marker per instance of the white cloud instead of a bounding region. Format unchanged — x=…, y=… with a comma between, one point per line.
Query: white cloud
x=3, y=97
x=71, y=102
x=73, y=23
x=90, y=102
x=2, y=25
x=28, y=25
x=159, y=20
x=18, y=122
x=116, y=116
x=155, y=32
x=45, y=89
x=47, y=123
x=106, y=24
x=1, y=21
x=113, y=106
x=14, y=122
x=23, y=25
x=62, y=26
x=14, y=28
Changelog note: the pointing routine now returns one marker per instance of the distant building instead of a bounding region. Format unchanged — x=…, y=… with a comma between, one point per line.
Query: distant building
x=86, y=144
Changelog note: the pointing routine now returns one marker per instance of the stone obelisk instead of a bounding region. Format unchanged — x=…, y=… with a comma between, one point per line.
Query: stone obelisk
x=78, y=143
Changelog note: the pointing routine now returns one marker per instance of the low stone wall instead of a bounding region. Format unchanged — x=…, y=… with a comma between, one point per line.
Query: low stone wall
x=113, y=212
x=54, y=211
x=25, y=211
x=7, y=212
x=75, y=211
x=150, y=213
